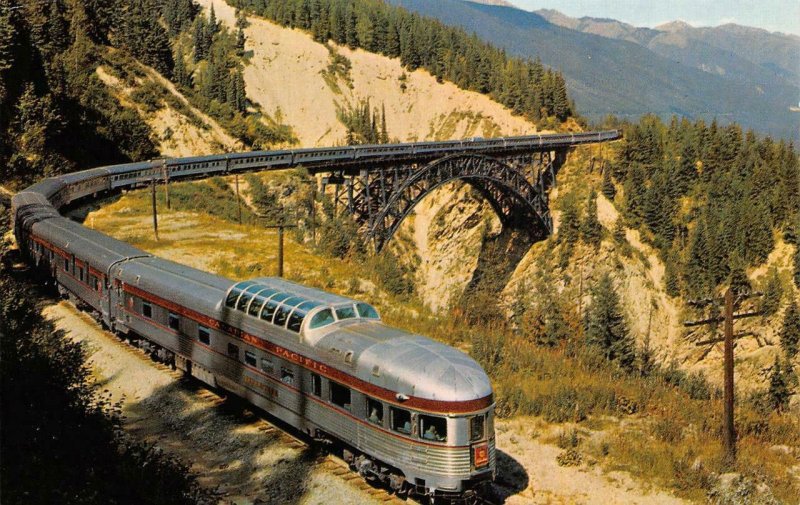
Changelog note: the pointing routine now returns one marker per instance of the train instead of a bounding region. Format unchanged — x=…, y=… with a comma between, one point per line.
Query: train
x=407, y=411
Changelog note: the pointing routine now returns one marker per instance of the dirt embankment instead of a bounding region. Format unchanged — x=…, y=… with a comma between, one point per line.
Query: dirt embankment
x=184, y=132
x=286, y=76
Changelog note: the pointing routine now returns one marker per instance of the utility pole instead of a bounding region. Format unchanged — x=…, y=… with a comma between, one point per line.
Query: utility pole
x=729, y=431
x=728, y=426
x=238, y=198
x=580, y=297
x=313, y=210
x=166, y=186
x=155, y=208
x=280, y=226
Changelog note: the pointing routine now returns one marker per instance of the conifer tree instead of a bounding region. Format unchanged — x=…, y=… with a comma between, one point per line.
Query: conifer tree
x=143, y=35
x=737, y=279
x=619, y=231
x=591, y=229
x=569, y=229
x=384, y=137
x=199, y=39
x=213, y=26
x=608, y=189
x=57, y=29
x=240, y=40
x=790, y=332
x=180, y=74
x=561, y=108
x=606, y=327
x=671, y=277
x=773, y=293
x=796, y=273
x=779, y=393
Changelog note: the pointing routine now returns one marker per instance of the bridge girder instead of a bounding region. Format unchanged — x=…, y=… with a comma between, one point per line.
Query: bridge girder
x=516, y=186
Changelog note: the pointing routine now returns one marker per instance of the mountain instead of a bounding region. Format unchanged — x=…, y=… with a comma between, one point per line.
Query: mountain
x=502, y=3
x=611, y=67
x=775, y=51
x=733, y=51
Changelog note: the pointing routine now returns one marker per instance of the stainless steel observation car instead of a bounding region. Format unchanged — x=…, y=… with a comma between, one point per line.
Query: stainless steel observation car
x=408, y=411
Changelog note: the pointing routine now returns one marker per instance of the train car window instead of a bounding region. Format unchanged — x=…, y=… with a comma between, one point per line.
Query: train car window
x=401, y=420
x=374, y=411
x=283, y=312
x=250, y=358
x=299, y=315
x=281, y=315
x=66, y=265
x=267, y=366
x=346, y=312
x=476, y=428
x=255, y=305
x=246, y=297
x=296, y=320
x=147, y=310
x=316, y=384
x=340, y=395
x=80, y=274
x=287, y=377
x=320, y=319
x=269, y=310
x=367, y=311
x=233, y=351
x=174, y=321
x=204, y=335
x=433, y=428
x=232, y=296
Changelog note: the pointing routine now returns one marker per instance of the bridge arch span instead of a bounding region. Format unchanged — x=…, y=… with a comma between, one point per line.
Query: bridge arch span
x=515, y=199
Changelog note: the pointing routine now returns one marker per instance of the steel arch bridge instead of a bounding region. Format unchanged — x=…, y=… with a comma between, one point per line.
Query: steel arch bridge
x=378, y=185
x=515, y=186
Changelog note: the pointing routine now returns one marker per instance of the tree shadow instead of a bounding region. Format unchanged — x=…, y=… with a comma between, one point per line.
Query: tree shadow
x=225, y=443
x=498, y=259
x=512, y=478
x=79, y=211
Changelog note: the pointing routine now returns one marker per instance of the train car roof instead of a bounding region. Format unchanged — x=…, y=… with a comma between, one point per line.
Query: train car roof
x=295, y=289
x=196, y=159
x=98, y=249
x=404, y=362
x=83, y=175
x=30, y=207
x=47, y=187
x=128, y=167
x=280, y=152
x=169, y=280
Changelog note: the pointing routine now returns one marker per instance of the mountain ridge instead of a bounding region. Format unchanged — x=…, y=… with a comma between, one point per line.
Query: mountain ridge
x=627, y=78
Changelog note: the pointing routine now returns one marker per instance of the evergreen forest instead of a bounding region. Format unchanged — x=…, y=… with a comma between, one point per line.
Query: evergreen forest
x=713, y=200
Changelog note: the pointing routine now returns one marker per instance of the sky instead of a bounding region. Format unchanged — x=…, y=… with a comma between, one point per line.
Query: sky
x=773, y=15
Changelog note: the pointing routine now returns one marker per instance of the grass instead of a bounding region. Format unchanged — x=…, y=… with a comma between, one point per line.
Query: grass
x=663, y=428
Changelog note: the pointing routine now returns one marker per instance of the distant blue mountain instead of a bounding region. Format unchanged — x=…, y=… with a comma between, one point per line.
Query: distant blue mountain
x=617, y=72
